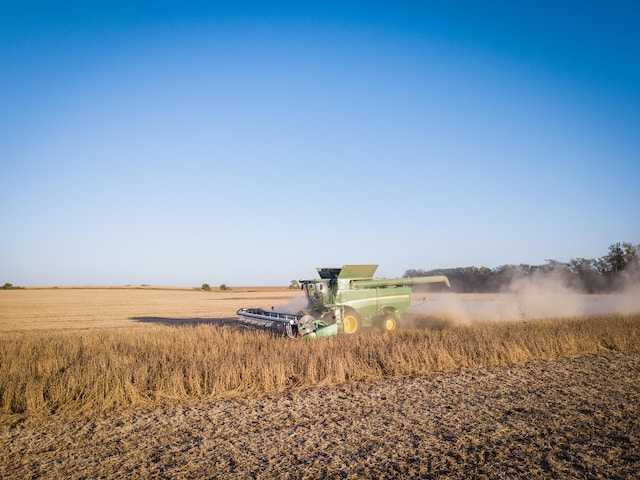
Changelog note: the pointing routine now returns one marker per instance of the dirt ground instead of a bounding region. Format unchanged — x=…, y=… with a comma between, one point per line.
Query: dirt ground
x=572, y=418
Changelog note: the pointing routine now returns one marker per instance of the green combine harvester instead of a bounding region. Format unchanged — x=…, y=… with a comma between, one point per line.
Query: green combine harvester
x=343, y=300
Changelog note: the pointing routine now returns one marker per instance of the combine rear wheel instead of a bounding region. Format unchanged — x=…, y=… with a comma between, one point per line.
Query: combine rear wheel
x=390, y=323
x=387, y=322
x=350, y=322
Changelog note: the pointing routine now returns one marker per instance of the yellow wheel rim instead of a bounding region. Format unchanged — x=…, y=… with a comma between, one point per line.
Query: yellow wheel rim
x=350, y=323
x=390, y=324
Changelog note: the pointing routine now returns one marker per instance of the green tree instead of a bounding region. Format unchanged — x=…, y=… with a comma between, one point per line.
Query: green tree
x=206, y=287
x=586, y=274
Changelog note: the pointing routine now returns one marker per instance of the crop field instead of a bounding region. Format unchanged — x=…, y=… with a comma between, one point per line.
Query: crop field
x=163, y=383
x=99, y=308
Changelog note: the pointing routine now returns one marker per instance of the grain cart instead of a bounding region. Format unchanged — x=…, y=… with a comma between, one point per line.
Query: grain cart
x=343, y=300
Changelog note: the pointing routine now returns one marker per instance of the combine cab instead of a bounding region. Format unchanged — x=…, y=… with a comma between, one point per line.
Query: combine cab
x=343, y=300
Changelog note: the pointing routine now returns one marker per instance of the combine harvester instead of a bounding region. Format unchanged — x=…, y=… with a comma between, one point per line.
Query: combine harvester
x=343, y=300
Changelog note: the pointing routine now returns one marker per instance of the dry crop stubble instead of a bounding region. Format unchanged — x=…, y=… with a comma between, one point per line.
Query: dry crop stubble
x=87, y=372
x=106, y=308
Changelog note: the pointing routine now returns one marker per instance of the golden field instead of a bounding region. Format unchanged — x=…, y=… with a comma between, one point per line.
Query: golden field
x=69, y=351
x=91, y=308
x=140, y=383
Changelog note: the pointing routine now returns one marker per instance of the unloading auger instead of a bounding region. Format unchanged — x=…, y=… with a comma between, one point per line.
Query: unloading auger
x=343, y=300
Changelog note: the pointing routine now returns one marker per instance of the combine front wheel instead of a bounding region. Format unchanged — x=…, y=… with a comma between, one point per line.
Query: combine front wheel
x=350, y=322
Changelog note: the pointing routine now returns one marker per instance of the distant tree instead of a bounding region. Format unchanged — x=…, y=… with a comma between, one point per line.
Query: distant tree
x=613, y=262
x=7, y=286
x=206, y=287
x=294, y=285
x=632, y=272
x=224, y=287
x=614, y=270
x=613, y=265
x=554, y=266
x=586, y=275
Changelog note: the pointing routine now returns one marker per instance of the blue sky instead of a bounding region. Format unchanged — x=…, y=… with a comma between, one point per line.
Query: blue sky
x=170, y=144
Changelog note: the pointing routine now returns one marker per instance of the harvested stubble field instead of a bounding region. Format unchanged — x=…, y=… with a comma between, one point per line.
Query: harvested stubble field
x=338, y=406
x=99, y=308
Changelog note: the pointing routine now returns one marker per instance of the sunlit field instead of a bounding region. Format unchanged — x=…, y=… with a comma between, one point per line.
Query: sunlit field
x=99, y=308
x=67, y=365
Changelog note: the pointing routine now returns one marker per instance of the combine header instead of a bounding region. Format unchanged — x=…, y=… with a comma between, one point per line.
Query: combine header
x=343, y=300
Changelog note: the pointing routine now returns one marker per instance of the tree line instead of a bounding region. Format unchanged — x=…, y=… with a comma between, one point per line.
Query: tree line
x=611, y=272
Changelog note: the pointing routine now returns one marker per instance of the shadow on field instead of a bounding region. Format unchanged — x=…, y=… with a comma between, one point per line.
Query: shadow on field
x=190, y=322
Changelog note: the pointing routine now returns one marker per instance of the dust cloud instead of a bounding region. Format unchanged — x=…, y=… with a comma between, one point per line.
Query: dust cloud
x=533, y=297
x=294, y=305
x=536, y=297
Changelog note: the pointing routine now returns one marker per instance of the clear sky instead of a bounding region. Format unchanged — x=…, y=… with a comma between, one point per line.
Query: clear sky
x=153, y=142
